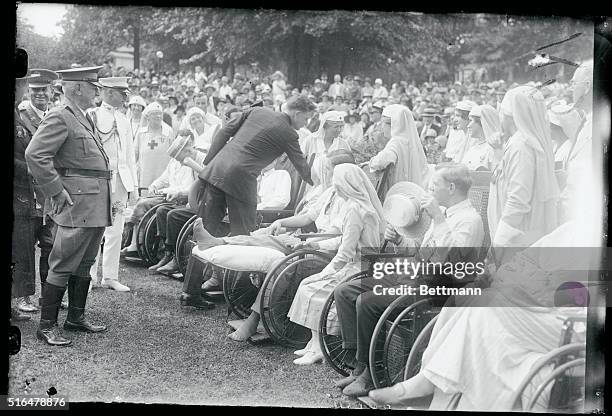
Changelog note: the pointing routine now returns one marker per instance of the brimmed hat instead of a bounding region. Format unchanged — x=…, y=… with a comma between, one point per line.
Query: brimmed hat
x=88, y=74
x=138, y=100
x=45, y=78
x=465, y=105
x=429, y=112
x=402, y=209
x=378, y=105
x=178, y=145
x=210, y=86
x=117, y=83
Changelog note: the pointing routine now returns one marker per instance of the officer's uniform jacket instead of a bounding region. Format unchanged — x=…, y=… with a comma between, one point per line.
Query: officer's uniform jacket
x=23, y=187
x=30, y=118
x=105, y=116
x=31, y=121
x=66, y=139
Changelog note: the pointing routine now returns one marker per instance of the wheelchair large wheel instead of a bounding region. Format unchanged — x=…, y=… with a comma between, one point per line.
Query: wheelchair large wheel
x=126, y=236
x=331, y=338
x=153, y=245
x=565, y=366
x=140, y=233
x=183, y=246
x=378, y=366
x=402, y=335
x=239, y=291
x=279, y=288
x=413, y=364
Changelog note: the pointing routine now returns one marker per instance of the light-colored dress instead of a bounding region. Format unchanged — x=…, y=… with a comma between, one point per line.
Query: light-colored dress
x=479, y=154
x=321, y=168
x=404, y=151
x=151, y=153
x=485, y=350
x=517, y=218
x=358, y=231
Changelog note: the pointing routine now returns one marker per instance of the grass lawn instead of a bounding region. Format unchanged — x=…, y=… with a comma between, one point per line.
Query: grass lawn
x=157, y=352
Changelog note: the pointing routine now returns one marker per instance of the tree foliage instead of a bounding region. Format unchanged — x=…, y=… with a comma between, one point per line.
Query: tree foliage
x=306, y=43
x=42, y=50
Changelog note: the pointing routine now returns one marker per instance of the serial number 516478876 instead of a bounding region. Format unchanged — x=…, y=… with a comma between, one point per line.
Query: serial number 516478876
x=31, y=402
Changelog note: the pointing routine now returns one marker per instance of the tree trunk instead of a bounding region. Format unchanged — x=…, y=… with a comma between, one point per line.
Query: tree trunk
x=294, y=65
x=136, y=45
x=315, y=65
x=232, y=67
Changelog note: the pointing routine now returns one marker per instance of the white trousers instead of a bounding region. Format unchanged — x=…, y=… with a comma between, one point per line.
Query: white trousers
x=112, y=239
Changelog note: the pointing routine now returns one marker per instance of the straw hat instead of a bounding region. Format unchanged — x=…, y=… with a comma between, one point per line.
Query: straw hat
x=402, y=209
x=179, y=144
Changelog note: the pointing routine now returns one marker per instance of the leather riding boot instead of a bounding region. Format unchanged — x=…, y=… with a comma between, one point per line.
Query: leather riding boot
x=48, y=330
x=77, y=298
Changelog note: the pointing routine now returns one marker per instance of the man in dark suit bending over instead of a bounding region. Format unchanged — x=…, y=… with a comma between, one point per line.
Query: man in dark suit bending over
x=259, y=135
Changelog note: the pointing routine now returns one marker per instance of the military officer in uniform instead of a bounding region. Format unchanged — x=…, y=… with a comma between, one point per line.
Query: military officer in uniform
x=32, y=113
x=24, y=219
x=71, y=168
x=115, y=133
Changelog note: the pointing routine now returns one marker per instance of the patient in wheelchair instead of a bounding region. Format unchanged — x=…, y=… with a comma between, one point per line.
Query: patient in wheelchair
x=362, y=228
x=172, y=186
x=485, y=347
x=325, y=214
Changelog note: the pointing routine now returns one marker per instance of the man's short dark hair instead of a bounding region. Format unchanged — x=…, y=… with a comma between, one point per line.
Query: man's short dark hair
x=300, y=103
x=456, y=173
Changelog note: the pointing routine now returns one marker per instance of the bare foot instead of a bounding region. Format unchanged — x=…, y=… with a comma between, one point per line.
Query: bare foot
x=400, y=393
x=204, y=239
x=247, y=330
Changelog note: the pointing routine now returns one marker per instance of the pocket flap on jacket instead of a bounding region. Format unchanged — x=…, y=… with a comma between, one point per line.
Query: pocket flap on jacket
x=81, y=185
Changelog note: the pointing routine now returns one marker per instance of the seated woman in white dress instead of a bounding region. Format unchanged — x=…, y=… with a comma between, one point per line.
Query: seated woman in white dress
x=483, y=351
x=326, y=214
x=362, y=227
x=404, y=149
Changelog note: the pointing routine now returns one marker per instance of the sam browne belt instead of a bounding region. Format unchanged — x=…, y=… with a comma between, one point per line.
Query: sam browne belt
x=90, y=173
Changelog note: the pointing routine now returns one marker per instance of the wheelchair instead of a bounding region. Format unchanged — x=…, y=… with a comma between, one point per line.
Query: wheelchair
x=402, y=321
x=281, y=284
x=389, y=350
x=240, y=288
x=150, y=249
x=565, y=383
x=565, y=365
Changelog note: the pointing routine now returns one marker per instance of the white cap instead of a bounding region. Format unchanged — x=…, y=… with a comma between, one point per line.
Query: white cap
x=137, y=99
x=465, y=105
x=475, y=111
